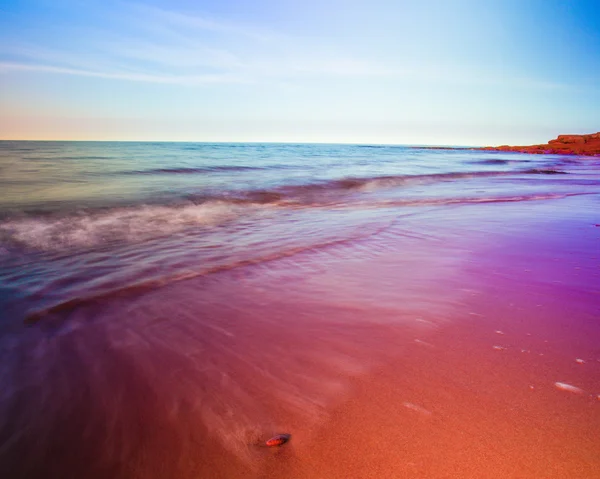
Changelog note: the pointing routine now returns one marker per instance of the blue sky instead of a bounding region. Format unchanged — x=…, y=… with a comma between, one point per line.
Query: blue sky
x=410, y=72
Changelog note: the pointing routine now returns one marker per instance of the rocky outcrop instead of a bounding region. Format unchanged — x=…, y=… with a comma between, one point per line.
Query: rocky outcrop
x=587, y=145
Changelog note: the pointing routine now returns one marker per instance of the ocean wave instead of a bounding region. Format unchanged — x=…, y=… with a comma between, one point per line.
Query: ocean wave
x=57, y=231
x=347, y=183
x=545, y=171
x=78, y=235
x=477, y=199
x=190, y=170
x=134, y=288
x=490, y=161
x=127, y=224
x=350, y=184
x=495, y=161
x=377, y=182
x=334, y=192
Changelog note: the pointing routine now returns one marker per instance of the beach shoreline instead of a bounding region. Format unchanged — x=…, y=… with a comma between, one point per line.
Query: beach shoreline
x=452, y=340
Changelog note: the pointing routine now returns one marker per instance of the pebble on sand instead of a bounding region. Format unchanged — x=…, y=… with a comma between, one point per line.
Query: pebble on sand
x=278, y=440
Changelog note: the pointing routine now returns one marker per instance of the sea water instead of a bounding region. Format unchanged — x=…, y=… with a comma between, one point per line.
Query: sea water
x=81, y=219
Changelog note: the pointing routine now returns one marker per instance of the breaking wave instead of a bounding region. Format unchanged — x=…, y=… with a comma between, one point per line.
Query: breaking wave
x=84, y=228
x=128, y=224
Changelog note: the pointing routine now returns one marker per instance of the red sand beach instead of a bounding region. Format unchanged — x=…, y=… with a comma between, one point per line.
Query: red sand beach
x=477, y=395
x=430, y=349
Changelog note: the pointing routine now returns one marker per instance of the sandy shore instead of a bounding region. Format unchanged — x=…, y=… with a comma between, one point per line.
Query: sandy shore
x=459, y=342
x=468, y=402
x=485, y=394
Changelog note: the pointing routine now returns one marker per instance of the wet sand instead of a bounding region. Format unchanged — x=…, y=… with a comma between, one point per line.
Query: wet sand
x=477, y=397
x=431, y=349
x=469, y=402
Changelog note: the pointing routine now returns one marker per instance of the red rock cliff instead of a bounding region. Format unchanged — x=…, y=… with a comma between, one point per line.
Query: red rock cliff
x=588, y=145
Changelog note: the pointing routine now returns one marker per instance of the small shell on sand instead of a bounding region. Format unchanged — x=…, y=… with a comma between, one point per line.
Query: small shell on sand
x=569, y=388
x=278, y=440
x=499, y=348
x=580, y=361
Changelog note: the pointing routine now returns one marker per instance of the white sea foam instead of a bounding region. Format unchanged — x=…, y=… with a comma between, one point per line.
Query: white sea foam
x=129, y=224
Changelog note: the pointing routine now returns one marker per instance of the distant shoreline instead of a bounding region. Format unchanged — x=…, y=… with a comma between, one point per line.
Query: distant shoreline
x=581, y=145
x=587, y=145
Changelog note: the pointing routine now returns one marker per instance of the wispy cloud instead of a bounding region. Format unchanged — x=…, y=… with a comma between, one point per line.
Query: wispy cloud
x=159, y=16
x=139, y=77
x=168, y=46
x=175, y=47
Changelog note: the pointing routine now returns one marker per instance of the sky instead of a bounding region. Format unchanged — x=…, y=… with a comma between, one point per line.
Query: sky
x=435, y=72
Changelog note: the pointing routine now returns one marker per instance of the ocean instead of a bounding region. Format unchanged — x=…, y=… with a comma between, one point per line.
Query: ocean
x=85, y=219
x=211, y=285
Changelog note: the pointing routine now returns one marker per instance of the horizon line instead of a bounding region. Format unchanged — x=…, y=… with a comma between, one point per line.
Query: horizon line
x=250, y=142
